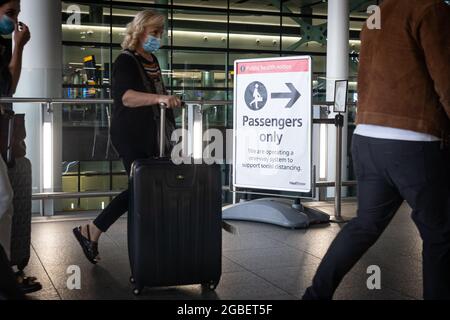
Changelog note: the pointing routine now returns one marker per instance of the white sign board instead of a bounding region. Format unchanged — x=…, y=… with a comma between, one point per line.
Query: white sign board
x=273, y=124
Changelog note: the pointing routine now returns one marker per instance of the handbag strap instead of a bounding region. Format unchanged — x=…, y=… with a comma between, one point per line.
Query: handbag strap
x=148, y=85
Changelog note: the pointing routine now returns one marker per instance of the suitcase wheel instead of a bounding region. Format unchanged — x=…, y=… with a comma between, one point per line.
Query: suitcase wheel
x=132, y=280
x=211, y=285
x=137, y=291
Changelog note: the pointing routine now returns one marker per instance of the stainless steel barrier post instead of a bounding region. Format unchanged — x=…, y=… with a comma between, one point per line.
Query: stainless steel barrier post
x=231, y=186
x=184, y=137
x=197, y=131
x=47, y=205
x=339, y=123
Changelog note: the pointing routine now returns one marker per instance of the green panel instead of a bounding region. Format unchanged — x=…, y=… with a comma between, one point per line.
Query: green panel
x=95, y=183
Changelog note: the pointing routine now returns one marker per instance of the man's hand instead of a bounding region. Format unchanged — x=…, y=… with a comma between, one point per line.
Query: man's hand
x=21, y=35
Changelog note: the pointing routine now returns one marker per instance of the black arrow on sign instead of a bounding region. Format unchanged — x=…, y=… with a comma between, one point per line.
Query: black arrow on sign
x=293, y=95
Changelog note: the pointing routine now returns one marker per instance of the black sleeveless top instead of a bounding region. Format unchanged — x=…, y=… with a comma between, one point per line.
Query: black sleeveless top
x=133, y=130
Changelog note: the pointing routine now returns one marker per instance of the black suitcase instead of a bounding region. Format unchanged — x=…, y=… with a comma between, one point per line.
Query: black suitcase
x=174, y=223
x=20, y=178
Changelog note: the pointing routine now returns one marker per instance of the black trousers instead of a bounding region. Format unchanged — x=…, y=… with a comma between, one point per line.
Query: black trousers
x=8, y=283
x=388, y=172
x=119, y=205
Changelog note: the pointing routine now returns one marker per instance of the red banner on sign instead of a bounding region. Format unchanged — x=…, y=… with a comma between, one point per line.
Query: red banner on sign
x=280, y=66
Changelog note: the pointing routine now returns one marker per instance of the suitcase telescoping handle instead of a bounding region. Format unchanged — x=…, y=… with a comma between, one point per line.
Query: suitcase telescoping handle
x=8, y=116
x=162, y=127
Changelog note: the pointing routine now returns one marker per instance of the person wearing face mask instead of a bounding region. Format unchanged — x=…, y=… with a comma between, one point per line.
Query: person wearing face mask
x=11, y=65
x=10, y=70
x=138, y=89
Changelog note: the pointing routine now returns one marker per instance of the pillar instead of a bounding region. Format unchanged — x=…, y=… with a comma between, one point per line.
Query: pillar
x=337, y=69
x=42, y=78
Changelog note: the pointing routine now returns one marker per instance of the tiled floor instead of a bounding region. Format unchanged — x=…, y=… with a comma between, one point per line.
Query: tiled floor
x=259, y=262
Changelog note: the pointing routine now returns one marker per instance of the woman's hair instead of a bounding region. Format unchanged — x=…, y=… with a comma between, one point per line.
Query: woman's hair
x=136, y=27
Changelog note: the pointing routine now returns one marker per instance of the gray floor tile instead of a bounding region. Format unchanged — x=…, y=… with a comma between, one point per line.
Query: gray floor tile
x=409, y=288
x=400, y=266
x=333, y=228
x=271, y=258
x=95, y=293
x=39, y=228
x=34, y=260
x=44, y=294
x=357, y=293
x=248, y=241
x=394, y=246
x=62, y=238
x=51, y=239
x=293, y=280
x=245, y=285
x=261, y=261
x=121, y=239
x=314, y=241
x=362, y=293
x=109, y=275
x=348, y=208
x=391, y=278
x=357, y=277
x=230, y=266
x=70, y=255
x=120, y=226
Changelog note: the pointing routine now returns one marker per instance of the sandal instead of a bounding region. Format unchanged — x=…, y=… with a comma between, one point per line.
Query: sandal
x=90, y=248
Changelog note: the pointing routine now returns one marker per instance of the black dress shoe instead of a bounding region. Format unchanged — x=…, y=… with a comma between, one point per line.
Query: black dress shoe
x=90, y=248
x=27, y=284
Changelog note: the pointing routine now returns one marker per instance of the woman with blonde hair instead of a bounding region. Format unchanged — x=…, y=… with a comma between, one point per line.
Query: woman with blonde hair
x=138, y=89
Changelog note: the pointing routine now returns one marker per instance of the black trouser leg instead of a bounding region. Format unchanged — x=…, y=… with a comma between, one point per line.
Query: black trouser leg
x=428, y=194
x=389, y=171
x=118, y=206
x=377, y=203
x=8, y=283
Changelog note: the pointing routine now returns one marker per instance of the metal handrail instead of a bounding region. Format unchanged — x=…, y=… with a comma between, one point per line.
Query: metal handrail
x=48, y=102
x=55, y=100
x=328, y=103
x=68, y=195
x=108, y=101
x=96, y=101
x=98, y=194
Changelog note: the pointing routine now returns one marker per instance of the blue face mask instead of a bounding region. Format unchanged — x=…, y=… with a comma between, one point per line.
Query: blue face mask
x=7, y=25
x=152, y=44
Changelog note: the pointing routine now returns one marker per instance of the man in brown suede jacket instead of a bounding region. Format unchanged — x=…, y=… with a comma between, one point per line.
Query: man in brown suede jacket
x=398, y=151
